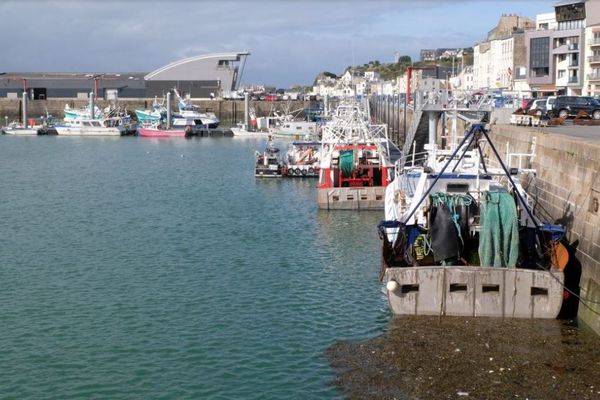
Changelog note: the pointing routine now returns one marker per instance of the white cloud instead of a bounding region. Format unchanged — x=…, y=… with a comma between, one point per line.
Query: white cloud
x=290, y=41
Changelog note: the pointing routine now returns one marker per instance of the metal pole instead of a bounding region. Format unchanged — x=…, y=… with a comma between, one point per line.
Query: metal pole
x=246, y=110
x=91, y=105
x=24, y=105
x=405, y=116
x=169, y=110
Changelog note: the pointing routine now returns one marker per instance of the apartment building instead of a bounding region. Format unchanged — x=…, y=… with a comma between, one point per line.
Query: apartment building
x=591, y=46
x=499, y=62
x=563, y=56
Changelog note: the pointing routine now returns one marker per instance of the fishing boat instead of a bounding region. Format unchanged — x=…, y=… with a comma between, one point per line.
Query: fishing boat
x=295, y=129
x=156, y=131
x=91, y=127
x=153, y=115
x=20, y=130
x=190, y=114
x=355, y=165
x=241, y=130
x=302, y=159
x=288, y=123
x=460, y=237
x=72, y=114
x=268, y=164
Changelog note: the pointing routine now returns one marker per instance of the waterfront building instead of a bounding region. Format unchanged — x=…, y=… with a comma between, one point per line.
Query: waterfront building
x=202, y=76
x=561, y=52
x=463, y=81
x=591, y=82
x=499, y=62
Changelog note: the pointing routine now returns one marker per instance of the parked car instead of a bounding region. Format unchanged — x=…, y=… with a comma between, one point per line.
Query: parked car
x=539, y=105
x=569, y=106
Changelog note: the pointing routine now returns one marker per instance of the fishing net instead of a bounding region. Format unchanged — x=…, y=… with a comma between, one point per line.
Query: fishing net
x=347, y=163
x=499, y=234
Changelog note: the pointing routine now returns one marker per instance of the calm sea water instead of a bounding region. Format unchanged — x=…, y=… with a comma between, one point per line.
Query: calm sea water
x=145, y=268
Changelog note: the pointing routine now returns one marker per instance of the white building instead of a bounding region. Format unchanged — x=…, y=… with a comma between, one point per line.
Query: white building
x=496, y=60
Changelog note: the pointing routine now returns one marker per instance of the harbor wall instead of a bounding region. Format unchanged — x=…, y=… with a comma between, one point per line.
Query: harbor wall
x=228, y=111
x=567, y=190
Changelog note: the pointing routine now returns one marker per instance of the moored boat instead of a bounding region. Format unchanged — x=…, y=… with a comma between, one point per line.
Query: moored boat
x=355, y=164
x=90, y=127
x=154, y=131
x=268, y=164
x=460, y=238
x=241, y=130
x=302, y=159
x=19, y=130
x=189, y=114
x=296, y=130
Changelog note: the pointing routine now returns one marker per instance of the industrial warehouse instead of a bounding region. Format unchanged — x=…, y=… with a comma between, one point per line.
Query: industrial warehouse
x=202, y=76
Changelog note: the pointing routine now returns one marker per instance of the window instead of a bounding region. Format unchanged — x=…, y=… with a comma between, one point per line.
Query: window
x=540, y=56
x=561, y=73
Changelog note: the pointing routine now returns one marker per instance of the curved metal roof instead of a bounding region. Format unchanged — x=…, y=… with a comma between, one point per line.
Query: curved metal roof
x=200, y=61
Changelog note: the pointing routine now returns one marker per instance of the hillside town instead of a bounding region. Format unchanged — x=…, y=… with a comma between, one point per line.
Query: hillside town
x=557, y=53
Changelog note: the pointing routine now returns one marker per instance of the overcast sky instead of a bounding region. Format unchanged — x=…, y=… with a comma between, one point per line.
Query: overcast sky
x=290, y=41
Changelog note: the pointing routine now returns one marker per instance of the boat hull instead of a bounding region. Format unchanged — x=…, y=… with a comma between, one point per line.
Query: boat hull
x=475, y=292
x=77, y=131
x=351, y=198
x=302, y=171
x=149, y=132
x=267, y=172
x=20, y=131
x=240, y=132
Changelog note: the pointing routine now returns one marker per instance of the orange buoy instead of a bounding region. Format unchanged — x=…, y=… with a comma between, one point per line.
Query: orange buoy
x=559, y=255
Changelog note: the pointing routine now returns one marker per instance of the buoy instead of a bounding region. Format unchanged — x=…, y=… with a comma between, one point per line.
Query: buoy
x=392, y=286
x=559, y=255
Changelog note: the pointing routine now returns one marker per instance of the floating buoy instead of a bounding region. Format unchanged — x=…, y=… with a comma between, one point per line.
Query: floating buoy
x=392, y=286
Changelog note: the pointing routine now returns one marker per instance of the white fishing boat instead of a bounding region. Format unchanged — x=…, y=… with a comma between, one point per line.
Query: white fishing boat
x=190, y=114
x=460, y=237
x=242, y=131
x=91, y=127
x=296, y=130
x=20, y=130
x=355, y=162
x=302, y=159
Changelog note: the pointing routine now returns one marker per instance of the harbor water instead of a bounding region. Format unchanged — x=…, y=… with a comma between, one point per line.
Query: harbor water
x=162, y=268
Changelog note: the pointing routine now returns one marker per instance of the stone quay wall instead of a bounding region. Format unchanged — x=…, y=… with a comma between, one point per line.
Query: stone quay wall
x=567, y=189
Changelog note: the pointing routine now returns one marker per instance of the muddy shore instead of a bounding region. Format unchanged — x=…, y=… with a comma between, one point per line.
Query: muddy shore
x=460, y=358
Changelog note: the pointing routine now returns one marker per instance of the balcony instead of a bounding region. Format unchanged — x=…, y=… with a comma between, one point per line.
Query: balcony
x=594, y=59
x=573, y=80
x=573, y=46
x=594, y=76
x=594, y=42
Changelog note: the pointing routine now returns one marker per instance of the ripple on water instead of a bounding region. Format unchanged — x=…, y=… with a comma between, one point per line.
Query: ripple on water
x=129, y=271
